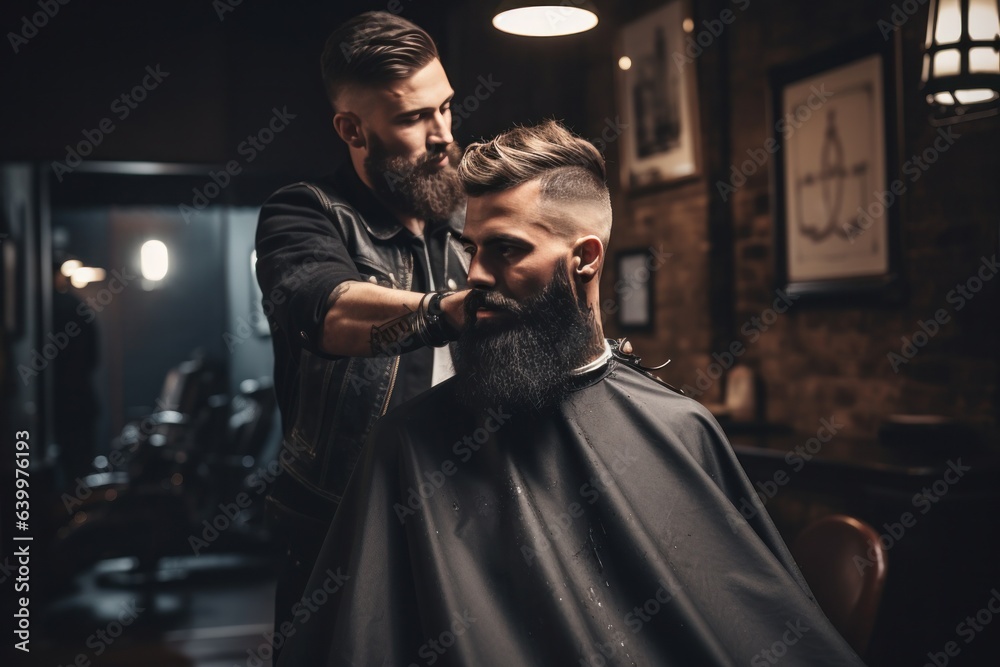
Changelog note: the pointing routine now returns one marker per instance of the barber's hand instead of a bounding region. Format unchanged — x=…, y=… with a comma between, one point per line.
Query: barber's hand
x=453, y=307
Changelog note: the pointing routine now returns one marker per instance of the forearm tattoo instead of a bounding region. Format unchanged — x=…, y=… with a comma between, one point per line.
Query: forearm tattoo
x=395, y=336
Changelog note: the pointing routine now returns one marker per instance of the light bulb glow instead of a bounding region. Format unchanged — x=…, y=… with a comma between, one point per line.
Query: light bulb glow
x=545, y=21
x=85, y=275
x=949, y=22
x=154, y=260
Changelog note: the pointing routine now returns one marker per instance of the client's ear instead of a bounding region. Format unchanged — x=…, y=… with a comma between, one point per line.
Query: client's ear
x=348, y=127
x=588, y=257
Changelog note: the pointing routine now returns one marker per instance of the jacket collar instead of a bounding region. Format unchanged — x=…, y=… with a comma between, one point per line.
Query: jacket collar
x=376, y=217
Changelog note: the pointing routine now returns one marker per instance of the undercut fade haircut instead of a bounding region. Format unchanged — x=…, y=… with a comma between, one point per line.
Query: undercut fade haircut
x=371, y=49
x=570, y=170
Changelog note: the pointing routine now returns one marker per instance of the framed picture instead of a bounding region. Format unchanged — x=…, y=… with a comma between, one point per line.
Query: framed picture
x=657, y=98
x=835, y=183
x=634, y=286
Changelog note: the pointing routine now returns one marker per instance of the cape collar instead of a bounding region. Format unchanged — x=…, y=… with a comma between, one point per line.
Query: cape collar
x=597, y=363
x=592, y=372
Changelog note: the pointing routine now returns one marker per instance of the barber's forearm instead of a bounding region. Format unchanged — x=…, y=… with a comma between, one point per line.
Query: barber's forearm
x=361, y=318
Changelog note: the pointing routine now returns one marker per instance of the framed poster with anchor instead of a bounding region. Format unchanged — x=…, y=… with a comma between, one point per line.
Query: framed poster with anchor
x=836, y=191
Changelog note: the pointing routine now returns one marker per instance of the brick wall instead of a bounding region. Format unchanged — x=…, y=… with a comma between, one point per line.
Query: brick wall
x=817, y=361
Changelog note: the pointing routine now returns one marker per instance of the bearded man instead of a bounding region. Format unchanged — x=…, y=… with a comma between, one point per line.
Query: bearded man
x=358, y=273
x=552, y=504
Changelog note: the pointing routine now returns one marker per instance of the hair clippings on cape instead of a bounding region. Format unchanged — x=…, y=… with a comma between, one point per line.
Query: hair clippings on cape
x=621, y=349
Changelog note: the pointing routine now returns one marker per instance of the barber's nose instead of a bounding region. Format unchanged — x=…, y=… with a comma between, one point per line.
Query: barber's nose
x=441, y=131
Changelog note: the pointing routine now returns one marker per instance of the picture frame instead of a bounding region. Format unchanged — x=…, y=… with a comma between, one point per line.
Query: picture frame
x=835, y=187
x=634, y=287
x=657, y=97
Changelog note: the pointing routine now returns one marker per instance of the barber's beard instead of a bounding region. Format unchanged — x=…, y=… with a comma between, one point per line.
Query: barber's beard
x=525, y=361
x=416, y=187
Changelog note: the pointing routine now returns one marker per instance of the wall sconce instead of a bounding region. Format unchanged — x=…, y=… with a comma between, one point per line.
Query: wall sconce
x=961, y=68
x=154, y=260
x=541, y=19
x=84, y=275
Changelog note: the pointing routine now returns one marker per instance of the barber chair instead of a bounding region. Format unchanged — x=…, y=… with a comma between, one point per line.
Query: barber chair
x=845, y=565
x=180, y=462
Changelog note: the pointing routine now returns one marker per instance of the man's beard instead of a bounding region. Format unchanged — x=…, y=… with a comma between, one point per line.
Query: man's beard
x=416, y=188
x=523, y=360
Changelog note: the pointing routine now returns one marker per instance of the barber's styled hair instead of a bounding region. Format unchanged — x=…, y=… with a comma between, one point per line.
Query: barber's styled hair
x=569, y=168
x=371, y=49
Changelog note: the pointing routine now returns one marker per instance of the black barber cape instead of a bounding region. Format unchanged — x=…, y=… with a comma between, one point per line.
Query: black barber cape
x=604, y=531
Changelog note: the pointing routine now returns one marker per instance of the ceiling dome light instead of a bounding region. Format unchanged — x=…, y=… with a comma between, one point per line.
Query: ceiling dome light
x=538, y=19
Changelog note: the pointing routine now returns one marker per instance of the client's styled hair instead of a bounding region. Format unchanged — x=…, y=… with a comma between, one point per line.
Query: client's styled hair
x=569, y=169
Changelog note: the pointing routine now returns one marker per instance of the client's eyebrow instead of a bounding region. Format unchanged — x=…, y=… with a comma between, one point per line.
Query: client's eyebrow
x=494, y=239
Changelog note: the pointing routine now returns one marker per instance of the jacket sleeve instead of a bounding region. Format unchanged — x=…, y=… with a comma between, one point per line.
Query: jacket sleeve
x=301, y=258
